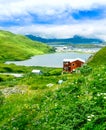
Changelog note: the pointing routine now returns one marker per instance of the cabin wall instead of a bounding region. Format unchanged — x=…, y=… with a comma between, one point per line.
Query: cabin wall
x=70, y=66
x=76, y=64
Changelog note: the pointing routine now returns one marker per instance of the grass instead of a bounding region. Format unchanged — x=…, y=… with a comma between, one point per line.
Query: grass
x=79, y=103
x=99, y=58
x=69, y=105
x=18, y=47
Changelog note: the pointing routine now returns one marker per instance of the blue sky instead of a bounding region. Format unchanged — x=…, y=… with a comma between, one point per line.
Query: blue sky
x=54, y=18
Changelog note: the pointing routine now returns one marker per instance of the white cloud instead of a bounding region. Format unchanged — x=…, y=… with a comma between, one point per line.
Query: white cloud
x=87, y=29
x=22, y=8
x=48, y=7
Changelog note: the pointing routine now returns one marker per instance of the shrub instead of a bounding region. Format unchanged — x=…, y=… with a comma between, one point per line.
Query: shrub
x=85, y=69
x=1, y=98
x=55, y=72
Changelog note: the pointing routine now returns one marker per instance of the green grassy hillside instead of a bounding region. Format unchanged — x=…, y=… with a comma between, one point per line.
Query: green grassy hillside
x=99, y=58
x=18, y=47
x=36, y=102
x=40, y=102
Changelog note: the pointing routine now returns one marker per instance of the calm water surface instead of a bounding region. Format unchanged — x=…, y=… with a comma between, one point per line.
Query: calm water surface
x=51, y=60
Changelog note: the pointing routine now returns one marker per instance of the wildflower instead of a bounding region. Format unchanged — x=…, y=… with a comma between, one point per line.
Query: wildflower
x=89, y=119
x=104, y=97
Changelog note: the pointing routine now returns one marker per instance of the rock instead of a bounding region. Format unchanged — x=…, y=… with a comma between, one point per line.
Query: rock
x=60, y=81
x=13, y=90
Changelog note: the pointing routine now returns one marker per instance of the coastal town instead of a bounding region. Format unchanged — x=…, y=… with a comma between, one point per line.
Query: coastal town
x=63, y=48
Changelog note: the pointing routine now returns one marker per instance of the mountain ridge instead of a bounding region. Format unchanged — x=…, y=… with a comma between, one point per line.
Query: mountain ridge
x=76, y=40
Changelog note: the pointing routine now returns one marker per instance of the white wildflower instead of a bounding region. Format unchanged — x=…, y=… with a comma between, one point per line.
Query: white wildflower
x=89, y=119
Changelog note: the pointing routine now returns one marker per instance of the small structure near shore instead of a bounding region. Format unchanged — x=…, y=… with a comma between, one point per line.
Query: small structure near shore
x=36, y=72
x=69, y=65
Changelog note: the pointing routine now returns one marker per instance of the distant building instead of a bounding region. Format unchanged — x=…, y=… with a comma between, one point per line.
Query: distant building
x=37, y=72
x=69, y=65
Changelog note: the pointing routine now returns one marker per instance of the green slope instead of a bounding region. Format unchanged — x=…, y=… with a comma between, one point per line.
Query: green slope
x=99, y=58
x=18, y=47
x=79, y=103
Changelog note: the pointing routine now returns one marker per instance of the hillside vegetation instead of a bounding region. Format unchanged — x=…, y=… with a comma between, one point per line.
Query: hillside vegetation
x=99, y=58
x=18, y=47
x=41, y=102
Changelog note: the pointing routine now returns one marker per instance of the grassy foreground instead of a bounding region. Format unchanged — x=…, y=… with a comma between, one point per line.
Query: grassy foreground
x=42, y=102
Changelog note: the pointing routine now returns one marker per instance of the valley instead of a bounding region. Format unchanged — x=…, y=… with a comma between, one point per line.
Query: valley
x=53, y=65
x=51, y=100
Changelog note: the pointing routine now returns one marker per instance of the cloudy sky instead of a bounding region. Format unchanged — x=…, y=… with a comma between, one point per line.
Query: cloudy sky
x=54, y=18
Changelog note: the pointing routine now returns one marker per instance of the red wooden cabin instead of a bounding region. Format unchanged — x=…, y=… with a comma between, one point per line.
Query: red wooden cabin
x=69, y=65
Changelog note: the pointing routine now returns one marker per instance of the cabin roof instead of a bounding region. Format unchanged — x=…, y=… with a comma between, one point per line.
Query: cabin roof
x=72, y=60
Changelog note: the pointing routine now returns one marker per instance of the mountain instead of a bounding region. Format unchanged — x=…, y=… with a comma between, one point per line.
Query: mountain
x=99, y=58
x=19, y=47
x=76, y=40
